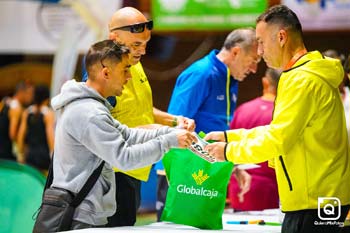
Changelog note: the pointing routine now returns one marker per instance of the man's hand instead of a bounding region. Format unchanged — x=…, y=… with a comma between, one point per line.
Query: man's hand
x=244, y=179
x=217, y=150
x=218, y=136
x=186, y=123
x=185, y=138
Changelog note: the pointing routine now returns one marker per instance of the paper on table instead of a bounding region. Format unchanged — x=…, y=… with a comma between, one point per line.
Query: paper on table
x=248, y=166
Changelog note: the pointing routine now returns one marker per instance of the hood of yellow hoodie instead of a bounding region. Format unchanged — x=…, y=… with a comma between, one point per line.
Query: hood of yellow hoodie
x=329, y=69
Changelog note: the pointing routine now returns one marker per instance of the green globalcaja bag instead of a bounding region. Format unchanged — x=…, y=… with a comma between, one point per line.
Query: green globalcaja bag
x=197, y=189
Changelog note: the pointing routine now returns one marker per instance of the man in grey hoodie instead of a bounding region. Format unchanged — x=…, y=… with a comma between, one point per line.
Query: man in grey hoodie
x=87, y=134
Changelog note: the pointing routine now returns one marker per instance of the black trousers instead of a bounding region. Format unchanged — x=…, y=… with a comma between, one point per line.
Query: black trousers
x=128, y=198
x=162, y=189
x=303, y=221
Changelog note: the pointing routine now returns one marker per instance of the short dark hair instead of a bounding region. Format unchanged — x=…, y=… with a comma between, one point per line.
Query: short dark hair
x=243, y=37
x=335, y=54
x=273, y=76
x=23, y=85
x=282, y=15
x=106, y=49
x=41, y=93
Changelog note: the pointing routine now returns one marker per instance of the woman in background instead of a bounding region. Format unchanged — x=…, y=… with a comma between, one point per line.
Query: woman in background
x=36, y=132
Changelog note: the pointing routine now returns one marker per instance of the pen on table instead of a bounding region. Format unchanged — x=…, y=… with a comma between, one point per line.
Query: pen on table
x=270, y=223
x=259, y=222
x=245, y=222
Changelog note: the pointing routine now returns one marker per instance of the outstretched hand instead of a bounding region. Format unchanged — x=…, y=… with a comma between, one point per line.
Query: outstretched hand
x=218, y=136
x=186, y=123
x=185, y=138
x=217, y=149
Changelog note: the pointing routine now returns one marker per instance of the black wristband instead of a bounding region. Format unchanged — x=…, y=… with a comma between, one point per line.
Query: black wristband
x=225, y=152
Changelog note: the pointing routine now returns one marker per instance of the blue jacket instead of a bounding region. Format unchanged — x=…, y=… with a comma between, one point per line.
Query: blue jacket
x=207, y=93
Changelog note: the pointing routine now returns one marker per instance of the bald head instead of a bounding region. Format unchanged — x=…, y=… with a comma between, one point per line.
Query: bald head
x=126, y=16
x=130, y=27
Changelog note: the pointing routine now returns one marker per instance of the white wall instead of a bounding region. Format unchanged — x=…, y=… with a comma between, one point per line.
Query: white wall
x=33, y=27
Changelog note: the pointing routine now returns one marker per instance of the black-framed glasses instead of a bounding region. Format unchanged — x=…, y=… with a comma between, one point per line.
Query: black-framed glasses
x=136, y=28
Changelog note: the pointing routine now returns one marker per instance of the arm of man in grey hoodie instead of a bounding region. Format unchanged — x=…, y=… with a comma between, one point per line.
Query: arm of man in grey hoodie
x=140, y=135
x=126, y=148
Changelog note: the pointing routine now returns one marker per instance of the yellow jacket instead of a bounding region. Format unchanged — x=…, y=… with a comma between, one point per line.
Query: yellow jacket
x=307, y=138
x=134, y=108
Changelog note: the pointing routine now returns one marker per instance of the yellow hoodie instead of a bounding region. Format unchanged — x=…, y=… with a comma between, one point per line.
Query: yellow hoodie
x=134, y=108
x=307, y=138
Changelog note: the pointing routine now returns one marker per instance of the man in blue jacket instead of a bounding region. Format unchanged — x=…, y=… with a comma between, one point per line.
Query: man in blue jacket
x=207, y=90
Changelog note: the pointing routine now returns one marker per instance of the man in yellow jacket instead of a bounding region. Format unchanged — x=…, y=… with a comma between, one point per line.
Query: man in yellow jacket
x=306, y=141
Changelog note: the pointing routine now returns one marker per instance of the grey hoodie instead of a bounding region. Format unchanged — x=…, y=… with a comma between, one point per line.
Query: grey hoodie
x=86, y=134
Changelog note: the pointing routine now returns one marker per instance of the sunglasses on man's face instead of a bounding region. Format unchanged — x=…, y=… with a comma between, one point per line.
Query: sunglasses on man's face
x=136, y=28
